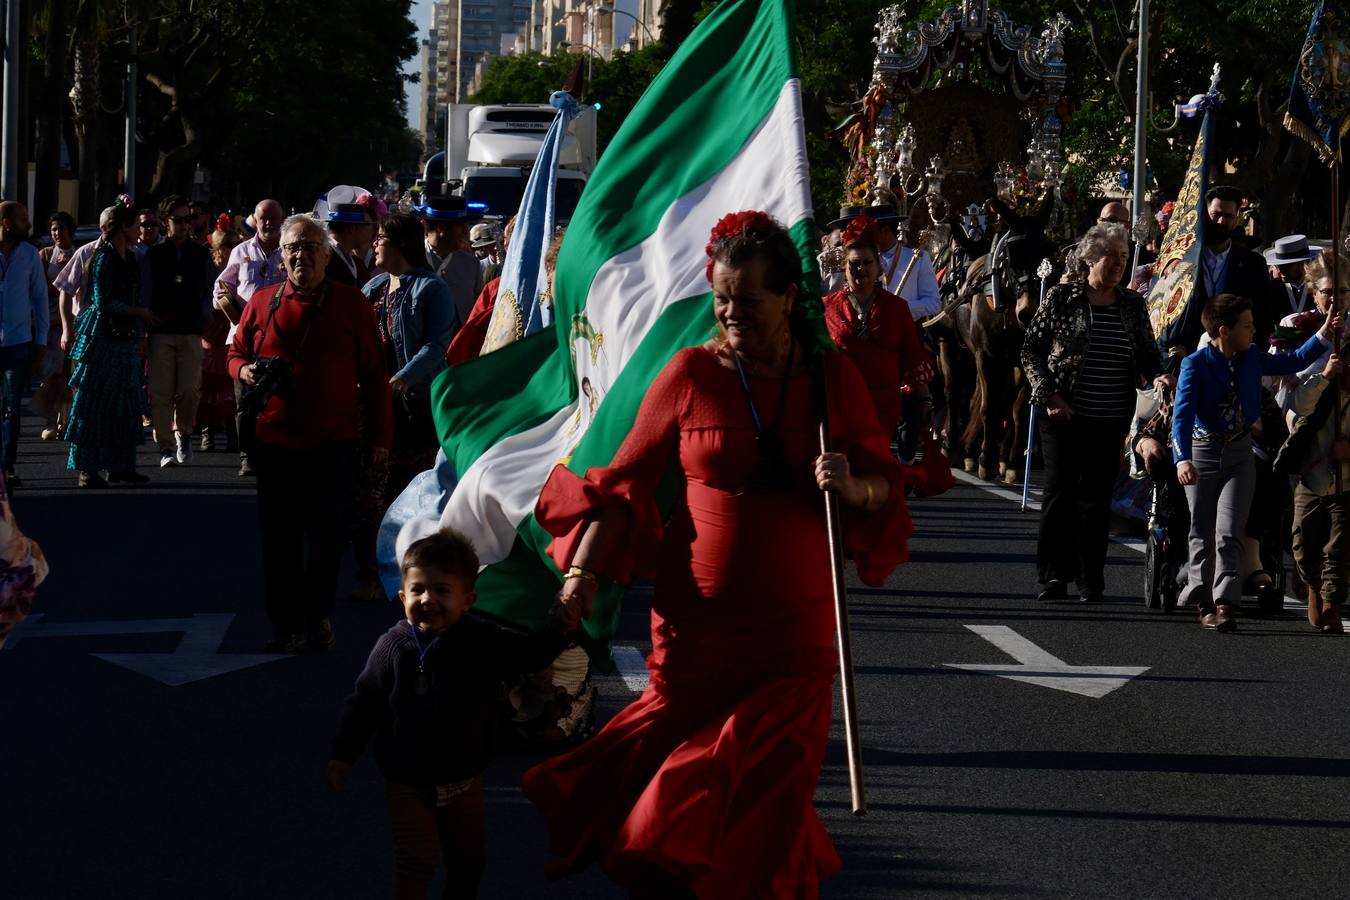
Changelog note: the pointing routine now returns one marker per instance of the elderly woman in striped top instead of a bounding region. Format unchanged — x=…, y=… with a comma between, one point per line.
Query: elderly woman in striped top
x=1086, y=351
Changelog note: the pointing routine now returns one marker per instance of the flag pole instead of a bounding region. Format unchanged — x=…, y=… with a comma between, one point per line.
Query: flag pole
x=1335, y=166
x=834, y=526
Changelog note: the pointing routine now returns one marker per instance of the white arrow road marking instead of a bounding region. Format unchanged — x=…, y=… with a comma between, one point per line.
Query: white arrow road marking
x=632, y=666
x=196, y=657
x=1036, y=666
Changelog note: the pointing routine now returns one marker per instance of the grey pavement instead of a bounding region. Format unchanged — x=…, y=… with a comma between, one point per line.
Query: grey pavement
x=1215, y=773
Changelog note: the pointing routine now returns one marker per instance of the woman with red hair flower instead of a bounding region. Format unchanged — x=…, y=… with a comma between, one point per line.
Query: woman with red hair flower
x=703, y=786
x=874, y=328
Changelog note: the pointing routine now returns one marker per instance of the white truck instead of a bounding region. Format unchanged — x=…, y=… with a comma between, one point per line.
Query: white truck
x=491, y=149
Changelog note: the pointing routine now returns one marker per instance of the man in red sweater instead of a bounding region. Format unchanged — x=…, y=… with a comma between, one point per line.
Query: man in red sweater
x=308, y=356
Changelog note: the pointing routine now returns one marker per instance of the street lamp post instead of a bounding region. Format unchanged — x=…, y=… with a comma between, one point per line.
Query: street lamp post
x=600, y=8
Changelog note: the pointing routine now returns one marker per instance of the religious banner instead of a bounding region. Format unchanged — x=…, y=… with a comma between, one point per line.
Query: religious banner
x=1319, y=101
x=1179, y=259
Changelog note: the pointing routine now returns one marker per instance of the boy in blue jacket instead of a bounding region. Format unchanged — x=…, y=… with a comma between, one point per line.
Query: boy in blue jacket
x=1218, y=401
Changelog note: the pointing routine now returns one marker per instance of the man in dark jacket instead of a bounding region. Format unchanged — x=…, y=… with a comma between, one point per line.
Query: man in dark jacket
x=181, y=275
x=1226, y=268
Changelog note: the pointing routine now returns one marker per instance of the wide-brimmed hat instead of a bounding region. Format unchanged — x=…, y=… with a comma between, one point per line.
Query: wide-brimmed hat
x=448, y=208
x=483, y=234
x=881, y=212
x=1292, y=249
x=351, y=213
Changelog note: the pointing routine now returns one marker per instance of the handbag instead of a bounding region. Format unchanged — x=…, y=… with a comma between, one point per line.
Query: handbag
x=1294, y=451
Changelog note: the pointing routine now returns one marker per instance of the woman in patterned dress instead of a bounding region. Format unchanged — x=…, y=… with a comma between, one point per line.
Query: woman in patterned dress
x=108, y=374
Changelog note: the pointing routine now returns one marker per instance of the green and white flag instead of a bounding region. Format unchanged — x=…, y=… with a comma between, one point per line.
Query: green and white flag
x=719, y=130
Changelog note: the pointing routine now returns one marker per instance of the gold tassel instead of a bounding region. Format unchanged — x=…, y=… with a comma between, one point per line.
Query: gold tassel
x=1300, y=129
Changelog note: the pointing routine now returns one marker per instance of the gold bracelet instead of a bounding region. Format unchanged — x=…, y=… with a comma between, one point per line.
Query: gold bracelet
x=579, y=572
x=868, y=482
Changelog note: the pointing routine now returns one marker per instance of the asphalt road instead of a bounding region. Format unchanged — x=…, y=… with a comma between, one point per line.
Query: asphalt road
x=1214, y=773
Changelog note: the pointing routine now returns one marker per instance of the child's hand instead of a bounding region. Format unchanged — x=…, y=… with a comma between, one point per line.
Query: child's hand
x=1187, y=474
x=338, y=773
x=566, y=612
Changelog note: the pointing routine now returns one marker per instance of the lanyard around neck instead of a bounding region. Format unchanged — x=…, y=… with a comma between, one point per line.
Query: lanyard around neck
x=782, y=391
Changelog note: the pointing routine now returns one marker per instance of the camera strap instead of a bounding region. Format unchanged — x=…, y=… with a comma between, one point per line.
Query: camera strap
x=275, y=304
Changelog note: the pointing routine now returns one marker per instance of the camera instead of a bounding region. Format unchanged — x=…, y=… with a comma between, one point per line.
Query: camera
x=273, y=376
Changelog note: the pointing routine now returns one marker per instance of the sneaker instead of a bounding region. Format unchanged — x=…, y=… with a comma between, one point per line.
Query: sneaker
x=1054, y=590
x=50, y=433
x=291, y=643
x=321, y=636
x=167, y=458
x=184, y=452
x=245, y=470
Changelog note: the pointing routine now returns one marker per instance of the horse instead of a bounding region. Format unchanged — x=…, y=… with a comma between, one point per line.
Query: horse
x=996, y=300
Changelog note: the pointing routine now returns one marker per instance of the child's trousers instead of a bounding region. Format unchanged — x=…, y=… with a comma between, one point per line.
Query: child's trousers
x=1219, y=503
x=425, y=831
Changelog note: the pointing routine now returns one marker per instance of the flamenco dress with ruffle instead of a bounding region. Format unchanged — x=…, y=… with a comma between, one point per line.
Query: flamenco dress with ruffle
x=883, y=343
x=708, y=777
x=108, y=374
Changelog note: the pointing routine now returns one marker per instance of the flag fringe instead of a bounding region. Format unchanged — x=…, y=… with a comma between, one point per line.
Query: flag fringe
x=1300, y=129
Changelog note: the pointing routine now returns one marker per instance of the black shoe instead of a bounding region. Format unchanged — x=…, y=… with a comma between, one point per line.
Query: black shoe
x=13, y=480
x=1054, y=590
x=1090, y=597
x=291, y=643
x=127, y=478
x=321, y=636
x=92, y=480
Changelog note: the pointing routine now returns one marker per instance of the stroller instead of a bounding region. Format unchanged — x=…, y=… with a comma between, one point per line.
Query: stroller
x=1165, y=547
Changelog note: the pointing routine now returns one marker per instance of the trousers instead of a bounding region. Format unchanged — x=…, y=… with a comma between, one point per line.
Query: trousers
x=304, y=510
x=175, y=385
x=1321, y=533
x=424, y=830
x=13, y=385
x=1082, y=461
x=1219, y=503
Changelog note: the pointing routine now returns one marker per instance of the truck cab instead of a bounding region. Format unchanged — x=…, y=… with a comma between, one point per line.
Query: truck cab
x=491, y=149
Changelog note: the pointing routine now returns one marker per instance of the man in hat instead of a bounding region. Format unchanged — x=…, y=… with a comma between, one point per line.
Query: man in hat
x=253, y=265
x=180, y=276
x=487, y=247
x=446, y=219
x=1287, y=260
x=351, y=233
x=920, y=288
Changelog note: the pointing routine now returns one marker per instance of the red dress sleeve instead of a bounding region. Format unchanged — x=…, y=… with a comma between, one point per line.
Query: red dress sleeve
x=569, y=501
x=468, y=341
x=880, y=541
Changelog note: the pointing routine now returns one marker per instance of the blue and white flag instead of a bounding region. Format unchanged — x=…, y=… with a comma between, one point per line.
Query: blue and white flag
x=523, y=302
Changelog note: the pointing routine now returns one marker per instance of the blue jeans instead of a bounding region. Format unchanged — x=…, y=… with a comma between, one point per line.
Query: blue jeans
x=14, y=376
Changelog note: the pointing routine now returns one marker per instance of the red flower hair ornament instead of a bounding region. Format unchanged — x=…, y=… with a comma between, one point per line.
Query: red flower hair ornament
x=224, y=222
x=734, y=225
x=861, y=229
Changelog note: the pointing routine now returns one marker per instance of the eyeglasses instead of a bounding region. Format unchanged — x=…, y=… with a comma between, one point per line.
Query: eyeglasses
x=299, y=247
x=382, y=238
x=149, y=224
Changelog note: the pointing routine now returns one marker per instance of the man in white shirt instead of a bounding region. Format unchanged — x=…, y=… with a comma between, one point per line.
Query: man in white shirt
x=920, y=290
x=253, y=265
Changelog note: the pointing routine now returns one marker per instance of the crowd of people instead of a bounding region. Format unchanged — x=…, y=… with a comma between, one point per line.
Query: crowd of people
x=308, y=344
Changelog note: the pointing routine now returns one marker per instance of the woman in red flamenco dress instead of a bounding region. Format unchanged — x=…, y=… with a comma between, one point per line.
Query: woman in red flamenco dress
x=703, y=786
x=874, y=328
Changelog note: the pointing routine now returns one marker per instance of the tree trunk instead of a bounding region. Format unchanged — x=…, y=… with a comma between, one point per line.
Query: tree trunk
x=84, y=114
x=51, y=112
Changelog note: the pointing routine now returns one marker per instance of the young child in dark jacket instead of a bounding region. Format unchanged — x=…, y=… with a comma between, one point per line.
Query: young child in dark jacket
x=429, y=695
